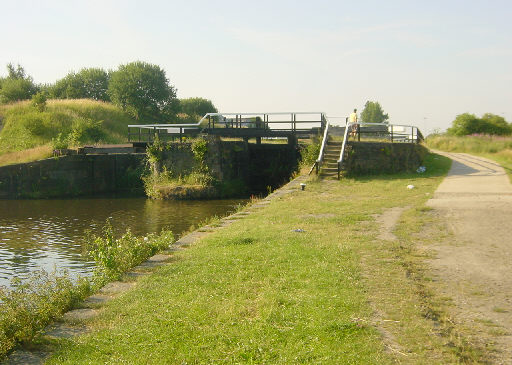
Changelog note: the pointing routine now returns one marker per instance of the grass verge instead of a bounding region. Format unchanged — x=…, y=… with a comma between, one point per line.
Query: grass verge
x=303, y=280
x=72, y=122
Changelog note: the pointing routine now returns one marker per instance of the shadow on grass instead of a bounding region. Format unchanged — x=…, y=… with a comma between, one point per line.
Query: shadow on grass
x=436, y=165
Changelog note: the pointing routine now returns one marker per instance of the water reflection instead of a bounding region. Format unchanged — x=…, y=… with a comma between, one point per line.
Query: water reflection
x=48, y=234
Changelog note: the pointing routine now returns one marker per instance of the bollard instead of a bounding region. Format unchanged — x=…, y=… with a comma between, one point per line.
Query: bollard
x=302, y=186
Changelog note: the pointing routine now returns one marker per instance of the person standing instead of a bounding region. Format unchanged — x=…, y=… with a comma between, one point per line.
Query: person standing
x=353, y=123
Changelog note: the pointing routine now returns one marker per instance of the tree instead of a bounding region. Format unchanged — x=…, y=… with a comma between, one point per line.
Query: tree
x=373, y=113
x=197, y=107
x=17, y=85
x=466, y=124
x=88, y=83
x=143, y=90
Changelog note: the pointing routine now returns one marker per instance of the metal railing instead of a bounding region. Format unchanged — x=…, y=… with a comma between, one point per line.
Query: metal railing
x=148, y=132
x=280, y=124
x=296, y=121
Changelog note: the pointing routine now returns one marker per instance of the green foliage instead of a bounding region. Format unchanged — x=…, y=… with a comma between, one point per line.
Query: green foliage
x=39, y=101
x=200, y=150
x=86, y=130
x=24, y=127
x=113, y=256
x=89, y=83
x=60, y=142
x=143, y=90
x=309, y=153
x=36, y=123
x=30, y=305
x=373, y=113
x=196, y=107
x=16, y=86
x=466, y=124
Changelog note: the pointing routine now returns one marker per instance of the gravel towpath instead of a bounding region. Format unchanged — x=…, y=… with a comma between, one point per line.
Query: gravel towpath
x=474, y=266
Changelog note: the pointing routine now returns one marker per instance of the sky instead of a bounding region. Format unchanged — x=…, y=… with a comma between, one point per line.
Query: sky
x=424, y=61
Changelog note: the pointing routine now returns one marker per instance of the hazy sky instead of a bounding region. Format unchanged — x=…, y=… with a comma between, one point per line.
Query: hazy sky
x=424, y=61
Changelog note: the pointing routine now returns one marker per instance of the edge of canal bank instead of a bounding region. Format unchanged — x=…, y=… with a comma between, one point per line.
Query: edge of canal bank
x=71, y=323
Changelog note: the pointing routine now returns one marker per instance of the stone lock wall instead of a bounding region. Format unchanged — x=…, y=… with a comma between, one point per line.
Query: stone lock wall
x=76, y=175
x=366, y=158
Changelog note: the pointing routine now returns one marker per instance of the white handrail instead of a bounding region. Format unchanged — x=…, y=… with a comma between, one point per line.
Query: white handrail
x=342, y=151
x=324, y=142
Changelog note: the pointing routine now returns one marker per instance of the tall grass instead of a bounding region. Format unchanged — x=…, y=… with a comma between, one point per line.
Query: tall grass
x=31, y=154
x=83, y=120
x=30, y=305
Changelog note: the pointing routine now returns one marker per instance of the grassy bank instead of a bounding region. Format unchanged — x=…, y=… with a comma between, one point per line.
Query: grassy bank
x=496, y=148
x=27, y=133
x=303, y=280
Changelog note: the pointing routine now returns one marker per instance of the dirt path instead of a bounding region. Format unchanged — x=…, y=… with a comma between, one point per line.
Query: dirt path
x=475, y=266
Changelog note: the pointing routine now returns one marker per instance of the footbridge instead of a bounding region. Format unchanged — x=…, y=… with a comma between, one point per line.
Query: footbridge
x=290, y=125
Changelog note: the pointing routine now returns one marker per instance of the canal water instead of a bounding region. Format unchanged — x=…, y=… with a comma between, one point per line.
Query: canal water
x=48, y=234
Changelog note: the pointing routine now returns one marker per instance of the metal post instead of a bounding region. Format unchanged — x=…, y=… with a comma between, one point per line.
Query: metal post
x=412, y=134
x=358, y=132
x=209, y=122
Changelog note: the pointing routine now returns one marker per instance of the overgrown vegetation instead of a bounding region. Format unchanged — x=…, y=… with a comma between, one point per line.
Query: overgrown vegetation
x=60, y=123
x=309, y=153
x=113, y=256
x=140, y=93
x=29, y=305
x=164, y=182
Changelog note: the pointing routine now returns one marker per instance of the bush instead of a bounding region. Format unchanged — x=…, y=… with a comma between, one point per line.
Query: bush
x=113, y=256
x=86, y=130
x=309, y=153
x=60, y=142
x=39, y=101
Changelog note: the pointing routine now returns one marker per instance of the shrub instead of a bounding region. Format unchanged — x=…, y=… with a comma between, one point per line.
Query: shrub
x=113, y=256
x=39, y=101
x=86, y=130
x=60, y=142
x=309, y=153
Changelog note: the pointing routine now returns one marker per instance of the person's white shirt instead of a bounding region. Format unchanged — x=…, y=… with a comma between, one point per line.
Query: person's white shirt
x=353, y=117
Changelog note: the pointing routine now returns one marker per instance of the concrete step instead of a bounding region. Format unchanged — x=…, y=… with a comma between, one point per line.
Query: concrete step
x=329, y=170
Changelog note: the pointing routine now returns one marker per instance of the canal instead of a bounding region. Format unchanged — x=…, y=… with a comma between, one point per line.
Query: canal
x=49, y=234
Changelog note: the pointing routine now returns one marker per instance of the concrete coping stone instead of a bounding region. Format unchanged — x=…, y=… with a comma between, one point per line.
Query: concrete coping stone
x=116, y=287
x=159, y=258
x=26, y=358
x=97, y=299
x=63, y=330
x=81, y=314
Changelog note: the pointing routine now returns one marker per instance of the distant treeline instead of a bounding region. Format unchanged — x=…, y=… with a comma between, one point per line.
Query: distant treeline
x=139, y=88
x=468, y=124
